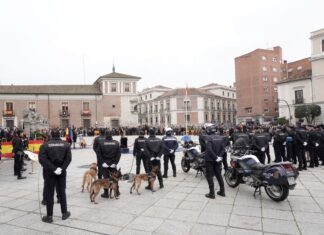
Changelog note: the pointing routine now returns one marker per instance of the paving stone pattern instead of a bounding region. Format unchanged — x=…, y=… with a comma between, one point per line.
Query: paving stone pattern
x=179, y=208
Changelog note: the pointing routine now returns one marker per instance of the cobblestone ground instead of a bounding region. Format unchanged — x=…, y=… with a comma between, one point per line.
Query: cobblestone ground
x=179, y=208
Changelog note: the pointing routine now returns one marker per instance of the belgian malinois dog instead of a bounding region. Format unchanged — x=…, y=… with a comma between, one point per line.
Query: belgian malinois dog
x=89, y=176
x=145, y=177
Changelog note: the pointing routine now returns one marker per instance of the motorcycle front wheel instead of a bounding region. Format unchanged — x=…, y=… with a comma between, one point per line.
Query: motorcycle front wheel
x=185, y=165
x=277, y=193
x=231, y=179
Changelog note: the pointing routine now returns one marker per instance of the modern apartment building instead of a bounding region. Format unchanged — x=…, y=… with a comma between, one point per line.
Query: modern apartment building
x=255, y=76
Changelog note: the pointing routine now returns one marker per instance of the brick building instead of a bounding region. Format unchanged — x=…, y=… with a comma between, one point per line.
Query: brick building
x=255, y=76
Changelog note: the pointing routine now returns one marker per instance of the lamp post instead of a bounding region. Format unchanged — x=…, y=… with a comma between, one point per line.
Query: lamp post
x=288, y=108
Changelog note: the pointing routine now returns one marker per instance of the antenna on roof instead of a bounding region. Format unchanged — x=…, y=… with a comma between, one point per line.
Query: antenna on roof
x=113, y=65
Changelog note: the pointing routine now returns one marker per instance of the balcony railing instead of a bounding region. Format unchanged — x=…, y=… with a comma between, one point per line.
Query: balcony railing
x=86, y=112
x=299, y=101
x=64, y=113
x=8, y=113
x=188, y=107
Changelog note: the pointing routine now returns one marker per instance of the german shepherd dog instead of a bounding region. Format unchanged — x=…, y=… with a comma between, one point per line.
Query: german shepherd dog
x=89, y=176
x=110, y=183
x=150, y=178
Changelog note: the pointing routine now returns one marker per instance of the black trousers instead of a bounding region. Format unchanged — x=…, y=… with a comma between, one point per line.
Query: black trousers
x=314, y=155
x=300, y=151
x=294, y=153
x=289, y=148
x=267, y=152
x=141, y=157
x=214, y=169
x=106, y=173
x=225, y=164
x=261, y=156
x=156, y=163
x=166, y=159
x=99, y=164
x=18, y=163
x=280, y=152
x=51, y=181
x=45, y=188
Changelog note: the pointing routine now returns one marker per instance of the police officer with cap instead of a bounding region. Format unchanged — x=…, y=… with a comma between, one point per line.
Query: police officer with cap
x=260, y=142
x=139, y=152
x=153, y=151
x=279, y=144
x=55, y=157
x=170, y=145
x=301, y=145
x=213, y=147
x=109, y=154
x=96, y=143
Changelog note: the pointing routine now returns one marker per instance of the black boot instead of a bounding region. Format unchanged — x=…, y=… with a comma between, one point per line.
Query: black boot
x=174, y=174
x=165, y=175
x=43, y=202
x=148, y=187
x=66, y=215
x=210, y=195
x=47, y=219
x=221, y=192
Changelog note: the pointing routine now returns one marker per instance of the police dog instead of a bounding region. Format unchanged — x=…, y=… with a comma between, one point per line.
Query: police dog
x=111, y=184
x=89, y=176
x=150, y=178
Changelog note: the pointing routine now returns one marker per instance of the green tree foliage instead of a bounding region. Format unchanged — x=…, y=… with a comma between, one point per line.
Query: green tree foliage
x=282, y=120
x=309, y=112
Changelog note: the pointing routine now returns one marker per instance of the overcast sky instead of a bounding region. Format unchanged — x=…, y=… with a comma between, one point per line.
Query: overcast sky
x=164, y=42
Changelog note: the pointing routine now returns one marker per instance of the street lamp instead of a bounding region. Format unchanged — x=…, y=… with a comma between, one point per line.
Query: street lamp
x=287, y=106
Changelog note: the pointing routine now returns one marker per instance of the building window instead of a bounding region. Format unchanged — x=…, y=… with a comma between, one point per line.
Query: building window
x=233, y=95
x=266, y=110
x=275, y=79
x=266, y=100
x=229, y=117
x=155, y=108
x=65, y=106
x=187, y=118
x=264, y=69
x=186, y=104
x=150, y=96
x=213, y=117
x=156, y=120
x=249, y=110
x=113, y=87
x=276, y=89
x=32, y=106
x=223, y=93
x=299, y=98
x=265, y=79
x=227, y=94
x=85, y=106
x=274, y=59
x=127, y=87
x=218, y=106
x=9, y=106
x=206, y=117
x=224, y=118
x=266, y=89
x=264, y=58
x=169, y=119
x=113, y=106
x=134, y=87
x=274, y=69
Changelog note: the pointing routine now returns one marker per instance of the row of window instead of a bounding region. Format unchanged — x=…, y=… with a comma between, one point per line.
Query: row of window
x=265, y=69
x=9, y=106
x=228, y=94
x=141, y=97
x=113, y=87
x=274, y=59
x=265, y=79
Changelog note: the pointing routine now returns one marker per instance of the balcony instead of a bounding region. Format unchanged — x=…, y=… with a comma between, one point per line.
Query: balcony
x=64, y=113
x=299, y=101
x=8, y=113
x=86, y=112
x=188, y=108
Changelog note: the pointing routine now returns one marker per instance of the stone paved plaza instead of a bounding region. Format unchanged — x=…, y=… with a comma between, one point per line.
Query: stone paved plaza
x=179, y=208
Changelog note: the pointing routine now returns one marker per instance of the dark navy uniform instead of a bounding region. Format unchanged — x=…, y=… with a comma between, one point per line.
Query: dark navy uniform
x=170, y=145
x=96, y=143
x=279, y=145
x=18, y=151
x=139, y=153
x=260, y=143
x=153, y=151
x=109, y=154
x=55, y=157
x=301, y=144
x=314, y=147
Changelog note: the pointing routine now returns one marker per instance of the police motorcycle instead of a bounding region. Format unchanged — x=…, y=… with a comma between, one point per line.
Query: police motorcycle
x=277, y=178
x=192, y=158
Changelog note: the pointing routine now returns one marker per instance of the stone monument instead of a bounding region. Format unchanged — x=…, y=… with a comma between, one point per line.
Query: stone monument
x=33, y=121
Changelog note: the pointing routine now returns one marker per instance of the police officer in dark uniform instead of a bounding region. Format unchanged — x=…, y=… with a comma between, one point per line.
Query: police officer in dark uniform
x=269, y=137
x=321, y=147
x=279, y=144
x=290, y=144
x=314, y=144
x=301, y=144
x=139, y=152
x=153, y=151
x=170, y=145
x=260, y=143
x=109, y=154
x=240, y=139
x=55, y=157
x=213, y=147
x=18, y=151
x=96, y=143
x=226, y=144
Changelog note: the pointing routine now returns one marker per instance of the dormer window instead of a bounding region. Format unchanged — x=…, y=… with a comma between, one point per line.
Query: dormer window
x=113, y=87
